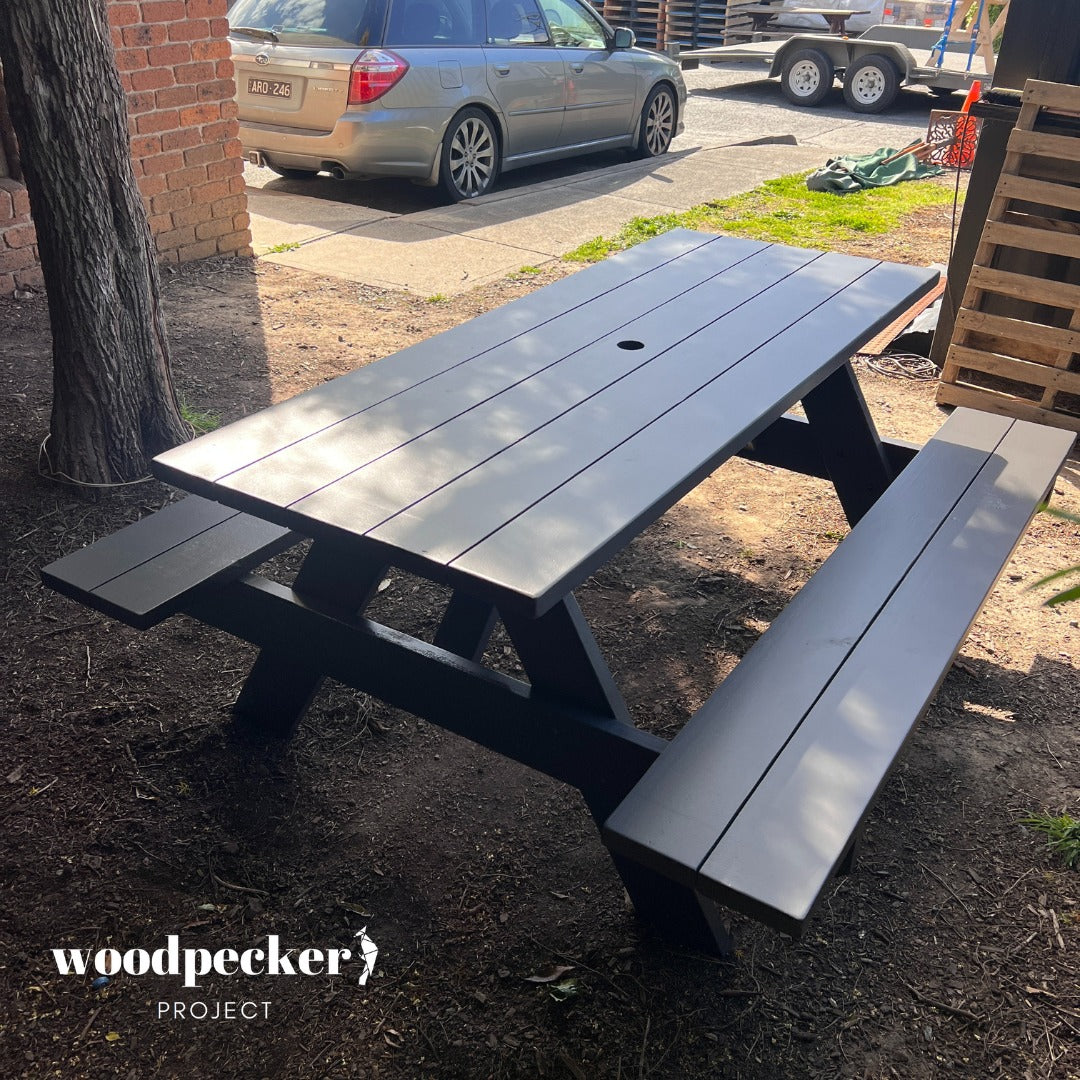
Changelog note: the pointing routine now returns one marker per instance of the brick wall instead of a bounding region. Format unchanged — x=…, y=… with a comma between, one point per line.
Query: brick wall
x=173, y=57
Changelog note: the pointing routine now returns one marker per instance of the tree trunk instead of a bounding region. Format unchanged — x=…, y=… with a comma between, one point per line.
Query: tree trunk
x=114, y=405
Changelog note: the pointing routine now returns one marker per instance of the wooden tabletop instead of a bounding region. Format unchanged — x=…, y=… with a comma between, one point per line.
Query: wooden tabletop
x=512, y=455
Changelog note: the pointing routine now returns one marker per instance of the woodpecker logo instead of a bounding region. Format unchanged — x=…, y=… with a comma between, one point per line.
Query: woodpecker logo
x=268, y=959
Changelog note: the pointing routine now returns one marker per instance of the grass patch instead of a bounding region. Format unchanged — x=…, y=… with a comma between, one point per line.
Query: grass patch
x=199, y=420
x=1062, y=835
x=782, y=211
x=437, y=298
x=277, y=249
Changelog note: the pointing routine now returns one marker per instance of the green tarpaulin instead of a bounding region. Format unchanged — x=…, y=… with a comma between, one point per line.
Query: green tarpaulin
x=871, y=170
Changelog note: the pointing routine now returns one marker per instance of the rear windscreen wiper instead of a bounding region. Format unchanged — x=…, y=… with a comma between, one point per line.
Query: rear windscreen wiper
x=255, y=32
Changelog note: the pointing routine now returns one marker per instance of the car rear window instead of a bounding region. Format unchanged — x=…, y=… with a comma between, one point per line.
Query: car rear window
x=312, y=22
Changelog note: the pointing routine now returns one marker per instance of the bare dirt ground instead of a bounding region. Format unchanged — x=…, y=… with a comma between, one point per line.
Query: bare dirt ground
x=130, y=813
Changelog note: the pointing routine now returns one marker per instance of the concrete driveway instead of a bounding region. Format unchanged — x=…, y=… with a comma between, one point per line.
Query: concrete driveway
x=395, y=234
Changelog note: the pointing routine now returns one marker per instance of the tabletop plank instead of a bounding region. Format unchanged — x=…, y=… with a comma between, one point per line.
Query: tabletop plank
x=688, y=344
x=197, y=465
x=531, y=435
x=511, y=382
x=559, y=540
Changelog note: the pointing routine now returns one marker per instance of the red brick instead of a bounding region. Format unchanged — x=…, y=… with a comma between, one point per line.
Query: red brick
x=20, y=236
x=189, y=30
x=211, y=49
x=167, y=256
x=169, y=55
x=144, y=35
x=180, y=140
x=144, y=146
x=123, y=14
x=233, y=149
x=202, y=250
x=176, y=238
x=130, y=59
x=200, y=114
x=237, y=244
x=210, y=230
x=163, y=10
x=219, y=28
x=140, y=102
x=176, y=97
x=152, y=79
x=158, y=121
x=195, y=214
x=242, y=221
x=208, y=193
x=229, y=206
x=203, y=155
x=229, y=111
x=169, y=202
x=226, y=69
x=218, y=90
x=16, y=259
x=7, y=284
x=187, y=178
x=151, y=185
x=194, y=73
x=30, y=278
x=236, y=185
x=7, y=207
x=20, y=202
x=159, y=223
x=163, y=163
x=222, y=170
x=116, y=36
x=218, y=132
x=205, y=9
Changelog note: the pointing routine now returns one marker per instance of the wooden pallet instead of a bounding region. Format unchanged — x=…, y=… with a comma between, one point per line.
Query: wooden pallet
x=644, y=17
x=1016, y=343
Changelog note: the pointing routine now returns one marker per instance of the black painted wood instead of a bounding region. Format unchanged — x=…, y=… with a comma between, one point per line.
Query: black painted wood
x=285, y=677
x=756, y=801
x=850, y=445
x=221, y=452
x=461, y=463
x=466, y=626
x=146, y=571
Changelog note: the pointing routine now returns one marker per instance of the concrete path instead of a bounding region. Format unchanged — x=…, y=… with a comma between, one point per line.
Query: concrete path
x=391, y=233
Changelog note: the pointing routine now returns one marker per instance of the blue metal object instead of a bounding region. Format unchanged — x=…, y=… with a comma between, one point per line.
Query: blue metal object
x=943, y=42
x=975, y=27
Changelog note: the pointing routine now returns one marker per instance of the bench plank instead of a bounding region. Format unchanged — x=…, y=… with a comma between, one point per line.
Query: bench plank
x=792, y=832
x=980, y=475
x=145, y=572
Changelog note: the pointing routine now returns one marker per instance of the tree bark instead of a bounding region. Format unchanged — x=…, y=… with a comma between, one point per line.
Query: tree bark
x=114, y=405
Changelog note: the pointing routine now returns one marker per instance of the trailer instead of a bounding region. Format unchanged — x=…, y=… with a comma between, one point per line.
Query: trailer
x=872, y=66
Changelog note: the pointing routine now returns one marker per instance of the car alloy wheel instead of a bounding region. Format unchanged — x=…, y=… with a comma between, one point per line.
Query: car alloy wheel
x=657, y=123
x=470, y=156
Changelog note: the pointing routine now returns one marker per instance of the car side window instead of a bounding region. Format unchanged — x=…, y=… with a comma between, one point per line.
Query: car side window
x=515, y=22
x=434, y=22
x=573, y=26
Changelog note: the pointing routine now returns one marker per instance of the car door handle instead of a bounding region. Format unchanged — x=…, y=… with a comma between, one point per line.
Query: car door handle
x=577, y=68
x=502, y=69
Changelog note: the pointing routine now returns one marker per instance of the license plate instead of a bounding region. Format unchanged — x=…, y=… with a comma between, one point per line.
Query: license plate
x=270, y=88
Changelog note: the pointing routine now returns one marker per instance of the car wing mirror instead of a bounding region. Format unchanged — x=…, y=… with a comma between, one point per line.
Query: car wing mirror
x=624, y=38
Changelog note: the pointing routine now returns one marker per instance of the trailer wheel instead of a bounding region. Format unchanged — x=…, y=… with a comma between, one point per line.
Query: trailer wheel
x=871, y=83
x=807, y=76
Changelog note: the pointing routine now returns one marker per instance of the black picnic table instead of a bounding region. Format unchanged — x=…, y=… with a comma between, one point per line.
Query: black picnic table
x=513, y=456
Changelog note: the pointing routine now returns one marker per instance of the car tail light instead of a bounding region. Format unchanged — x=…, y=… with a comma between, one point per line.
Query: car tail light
x=374, y=71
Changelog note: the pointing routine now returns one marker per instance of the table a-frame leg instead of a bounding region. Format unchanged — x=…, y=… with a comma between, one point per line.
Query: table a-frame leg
x=850, y=446
x=279, y=688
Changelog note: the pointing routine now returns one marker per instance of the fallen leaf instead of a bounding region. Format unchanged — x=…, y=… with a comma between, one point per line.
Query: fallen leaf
x=553, y=975
x=113, y=1036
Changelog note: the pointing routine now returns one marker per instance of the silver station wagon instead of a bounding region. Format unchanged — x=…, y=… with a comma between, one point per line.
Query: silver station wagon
x=447, y=92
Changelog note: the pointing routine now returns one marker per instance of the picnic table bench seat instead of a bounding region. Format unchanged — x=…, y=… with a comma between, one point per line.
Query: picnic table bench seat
x=757, y=801
x=149, y=570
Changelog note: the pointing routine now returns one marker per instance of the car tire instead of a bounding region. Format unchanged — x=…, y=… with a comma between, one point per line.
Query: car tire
x=470, y=156
x=293, y=174
x=807, y=77
x=871, y=83
x=659, y=117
